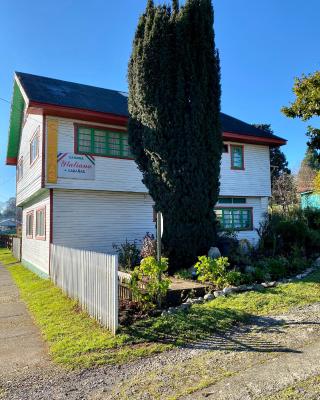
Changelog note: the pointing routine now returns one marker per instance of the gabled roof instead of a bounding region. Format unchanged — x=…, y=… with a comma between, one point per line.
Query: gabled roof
x=43, y=92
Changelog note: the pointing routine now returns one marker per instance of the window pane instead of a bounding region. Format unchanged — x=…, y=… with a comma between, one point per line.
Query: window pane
x=225, y=200
x=237, y=157
x=234, y=218
x=239, y=200
x=114, y=144
x=103, y=142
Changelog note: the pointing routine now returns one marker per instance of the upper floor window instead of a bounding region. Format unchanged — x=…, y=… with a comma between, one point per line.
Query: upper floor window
x=41, y=223
x=34, y=146
x=29, y=224
x=20, y=169
x=232, y=200
x=102, y=142
x=239, y=219
x=237, y=157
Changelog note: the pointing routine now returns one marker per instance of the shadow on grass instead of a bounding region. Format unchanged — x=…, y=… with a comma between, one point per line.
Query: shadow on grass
x=210, y=330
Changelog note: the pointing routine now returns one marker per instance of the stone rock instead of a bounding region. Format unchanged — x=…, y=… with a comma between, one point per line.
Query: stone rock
x=249, y=269
x=243, y=288
x=189, y=301
x=244, y=246
x=317, y=263
x=214, y=252
x=300, y=276
x=269, y=284
x=208, y=297
x=164, y=313
x=185, y=306
x=218, y=293
x=258, y=286
x=230, y=290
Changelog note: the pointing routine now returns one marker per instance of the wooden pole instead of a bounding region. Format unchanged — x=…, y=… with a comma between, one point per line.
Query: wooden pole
x=159, y=249
x=159, y=236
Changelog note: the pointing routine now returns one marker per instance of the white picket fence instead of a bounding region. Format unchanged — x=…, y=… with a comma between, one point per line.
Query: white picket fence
x=89, y=277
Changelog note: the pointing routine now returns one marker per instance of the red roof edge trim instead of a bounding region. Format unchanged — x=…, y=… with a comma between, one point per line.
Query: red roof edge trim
x=253, y=139
x=11, y=161
x=77, y=113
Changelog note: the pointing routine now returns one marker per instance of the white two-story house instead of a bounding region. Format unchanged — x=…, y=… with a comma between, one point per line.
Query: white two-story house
x=78, y=185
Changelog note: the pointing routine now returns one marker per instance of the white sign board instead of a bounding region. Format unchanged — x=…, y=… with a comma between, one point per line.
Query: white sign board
x=76, y=166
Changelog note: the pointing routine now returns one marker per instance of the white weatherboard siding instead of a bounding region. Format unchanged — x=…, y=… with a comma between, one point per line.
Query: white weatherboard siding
x=254, y=180
x=35, y=251
x=31, y=180
x=93, y=220
x=112, y=174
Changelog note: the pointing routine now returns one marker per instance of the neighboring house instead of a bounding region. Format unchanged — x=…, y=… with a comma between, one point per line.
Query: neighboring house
x=310, y=199
x=8, y=226
x=78, y=185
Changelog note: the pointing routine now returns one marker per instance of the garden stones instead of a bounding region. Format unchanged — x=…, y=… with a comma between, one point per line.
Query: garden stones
x=208, y=297
x=214, y=252
x=218, y=293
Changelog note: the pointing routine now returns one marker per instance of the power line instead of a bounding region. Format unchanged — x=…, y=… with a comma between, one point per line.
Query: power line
x=18, y=109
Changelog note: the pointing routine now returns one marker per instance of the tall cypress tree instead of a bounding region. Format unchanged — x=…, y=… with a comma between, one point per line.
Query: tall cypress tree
x=174, y=124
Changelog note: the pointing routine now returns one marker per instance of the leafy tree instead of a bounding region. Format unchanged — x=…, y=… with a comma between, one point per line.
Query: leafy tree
x=307, y=105
x=284, y=192
x=308, y=170
x=278, y=160
x=174, y=125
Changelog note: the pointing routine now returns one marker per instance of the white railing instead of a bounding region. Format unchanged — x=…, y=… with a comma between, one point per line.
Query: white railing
x=89, y=277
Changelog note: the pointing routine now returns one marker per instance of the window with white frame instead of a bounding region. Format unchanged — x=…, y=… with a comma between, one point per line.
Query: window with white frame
x=41, y=223
x=20, y=169
x=29, y=224
x=34, y=146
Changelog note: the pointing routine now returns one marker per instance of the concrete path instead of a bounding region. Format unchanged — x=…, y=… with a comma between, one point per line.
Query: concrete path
x=21, y=346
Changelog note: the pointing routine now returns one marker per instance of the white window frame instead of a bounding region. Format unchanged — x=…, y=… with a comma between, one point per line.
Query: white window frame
x=35, y=146
x=29, y=224
x=41, y=223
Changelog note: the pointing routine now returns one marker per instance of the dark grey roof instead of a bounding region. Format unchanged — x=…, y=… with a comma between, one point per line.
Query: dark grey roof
x=76, y=95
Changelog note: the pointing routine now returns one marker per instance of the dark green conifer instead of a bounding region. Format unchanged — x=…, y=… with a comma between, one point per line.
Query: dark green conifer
x=174, y=125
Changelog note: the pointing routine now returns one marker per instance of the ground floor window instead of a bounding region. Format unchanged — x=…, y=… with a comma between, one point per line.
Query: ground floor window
x=41, y=223
x=29, y=224
x=239, y=219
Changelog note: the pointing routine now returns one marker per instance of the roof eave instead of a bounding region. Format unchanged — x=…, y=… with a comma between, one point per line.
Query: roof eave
x=76, y=113
x=251, y=139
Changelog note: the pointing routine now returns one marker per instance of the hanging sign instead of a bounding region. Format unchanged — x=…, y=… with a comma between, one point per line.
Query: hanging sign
x=76, y=166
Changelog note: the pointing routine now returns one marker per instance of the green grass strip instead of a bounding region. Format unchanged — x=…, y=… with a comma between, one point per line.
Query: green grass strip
x=76, y=340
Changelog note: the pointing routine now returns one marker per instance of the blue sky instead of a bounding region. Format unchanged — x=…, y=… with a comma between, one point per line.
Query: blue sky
x=263, y=45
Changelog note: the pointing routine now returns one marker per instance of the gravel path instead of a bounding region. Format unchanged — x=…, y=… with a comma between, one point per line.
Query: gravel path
x=251, y=361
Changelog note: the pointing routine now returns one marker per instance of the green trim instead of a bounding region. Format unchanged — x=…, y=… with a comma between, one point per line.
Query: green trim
x=16, y=118
x=109, y=152
x=34, y=269
x=235, y=148
x=231, y=218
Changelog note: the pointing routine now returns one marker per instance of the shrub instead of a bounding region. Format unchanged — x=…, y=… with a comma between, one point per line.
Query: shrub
x=149, y=246
x=235, y=278
x=212, y=270
x=148, y=283
x=128, y=253
x=184, y=274
x=276, y=267
x=312, y=216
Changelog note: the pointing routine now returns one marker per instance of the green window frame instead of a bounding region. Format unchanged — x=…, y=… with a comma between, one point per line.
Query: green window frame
x=237, y=157
x=238, y=219
x=102, y=142
x=232, y=200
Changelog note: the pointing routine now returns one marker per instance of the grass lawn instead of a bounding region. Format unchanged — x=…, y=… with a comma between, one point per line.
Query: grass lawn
x=77, y=340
